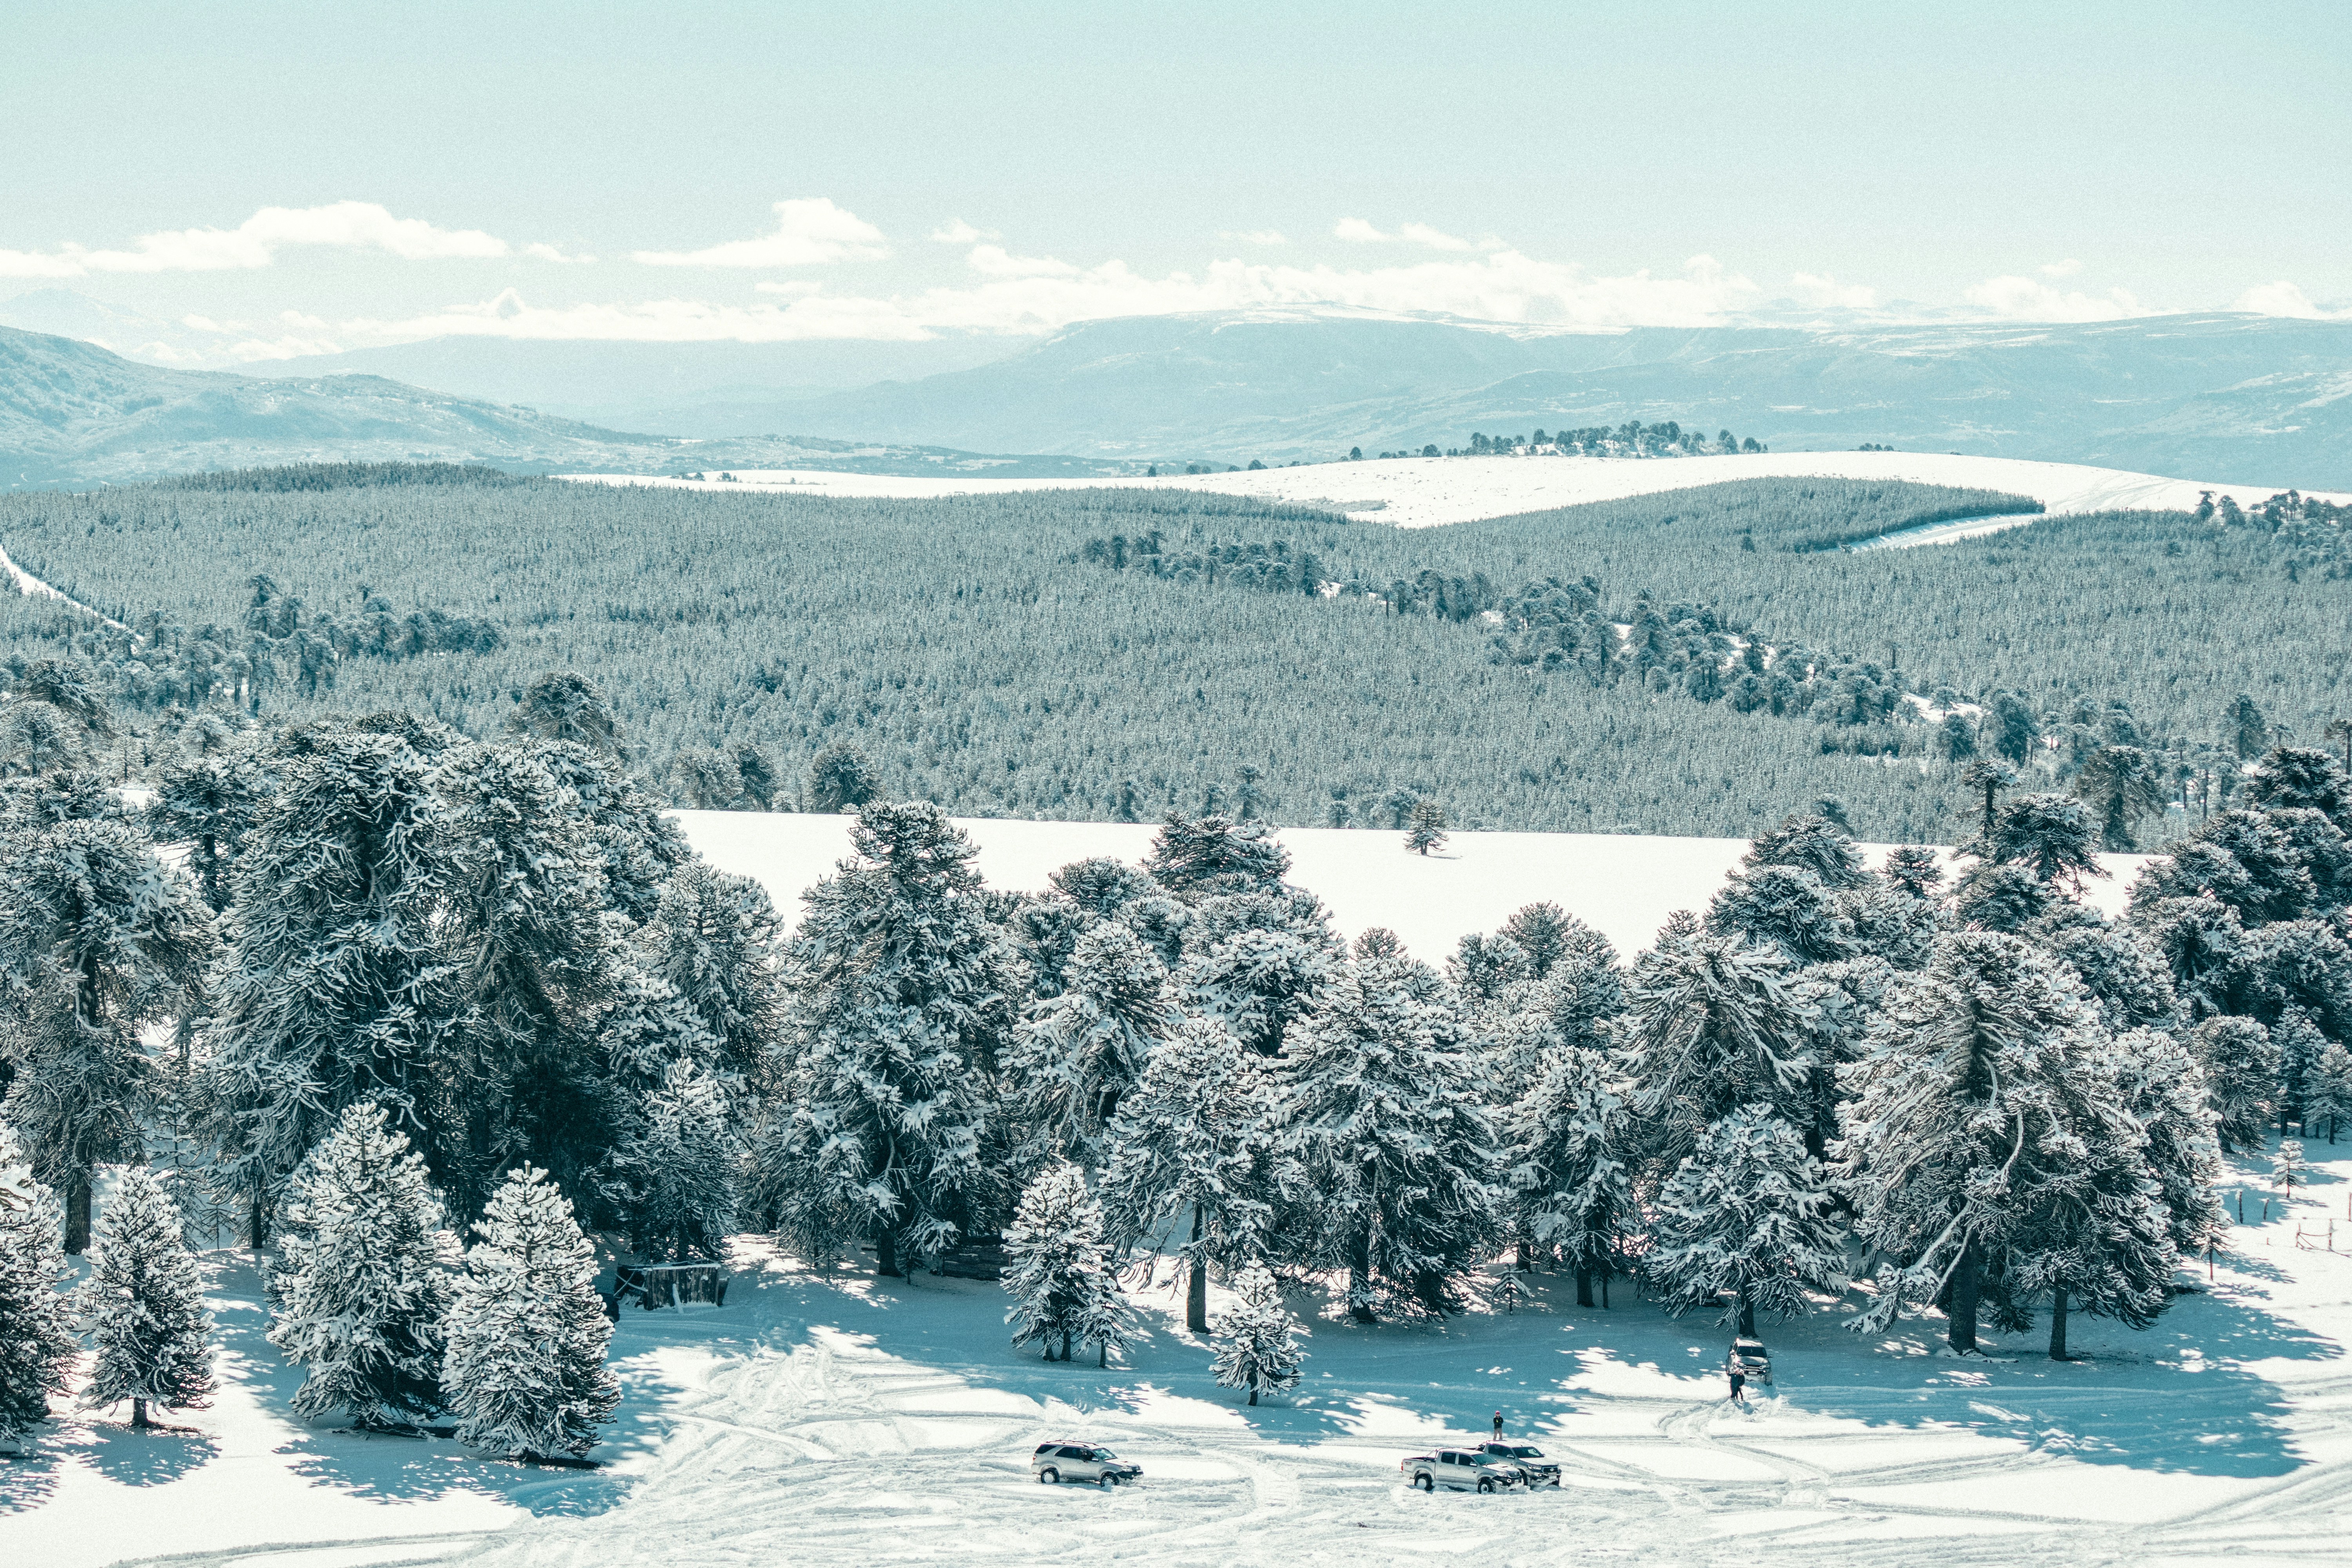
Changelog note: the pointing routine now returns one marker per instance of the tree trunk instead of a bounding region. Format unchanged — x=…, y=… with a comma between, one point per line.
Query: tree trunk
x=1746, y=1314
x=2058, y=1325
x=1066, y=1345
x=1252, y=1393
x=1359, y=1278
x=1604, y=1290
x=77, y=1215
x=1196, y=1289
x=1102, y=1353
x=886, y=1253
x=1526, y=1257
x=139, y=1415
x=1583, y=1287
x=257, y=1221
x=1962, y=1333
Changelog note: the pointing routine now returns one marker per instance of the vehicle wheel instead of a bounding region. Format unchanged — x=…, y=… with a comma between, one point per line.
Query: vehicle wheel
x=1049, y=1475
x=1106, y=1482
x=1555, y=1481
x=1423, y=1483
x=1484, y=1485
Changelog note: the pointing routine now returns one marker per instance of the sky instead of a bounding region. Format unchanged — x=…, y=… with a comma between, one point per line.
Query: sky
x=279, y=180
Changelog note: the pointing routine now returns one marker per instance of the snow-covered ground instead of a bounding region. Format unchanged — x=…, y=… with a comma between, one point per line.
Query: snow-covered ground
x=834, y=1418
x=1414, y=492
x=1624, y=886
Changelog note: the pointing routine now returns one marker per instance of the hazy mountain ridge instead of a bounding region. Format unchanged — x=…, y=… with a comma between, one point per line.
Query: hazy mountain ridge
x=72, y=413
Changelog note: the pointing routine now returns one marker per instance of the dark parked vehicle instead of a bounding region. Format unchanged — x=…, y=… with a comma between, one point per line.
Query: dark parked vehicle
x=1054, y=1463
x=1534, y=1467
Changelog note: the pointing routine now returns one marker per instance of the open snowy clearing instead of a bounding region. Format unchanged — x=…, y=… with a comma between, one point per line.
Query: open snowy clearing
x=1623, y=886
x=835, y=1419
x=1418, y=492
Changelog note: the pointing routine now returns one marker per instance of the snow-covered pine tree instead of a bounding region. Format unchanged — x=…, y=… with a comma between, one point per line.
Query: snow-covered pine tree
x=2242, y=1076
x=1427, y=831
x=638, y=846
x=1064, y=1293
x=100, y=940
x=1202, y=856
x=1913, y=871
x=1545, y=932
x=207, y=801
x=363, y=1277
x=901, y=988
x=717, y=941
x=1102, y=886
x=1258, y=983
x=1748, y=1211
x=681, y=1170
x=2166, y=1093
x=2006, y=899
x=1809, y=841
x=1566, y=1162
x=145, y=1306
x=522, y=920
x=1389, y=1152
x=1486, y=969
x=524, y=1372
x=2328, y=1088
x=1255, y=1347
x=2287, y=1167
x=37, y=1337
x=2120, y=967
x=1786, y=905
x=1193, y=1136
x=2051, y=837
x=331, y=990
x=1711, y=1025
x=2299, y=1043
x=1077, y=1055
x=1979, y=1093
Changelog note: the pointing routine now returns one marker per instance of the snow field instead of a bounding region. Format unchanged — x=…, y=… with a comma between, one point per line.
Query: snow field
x=1624, y=886
x=829, y=1418
x=1420, y=492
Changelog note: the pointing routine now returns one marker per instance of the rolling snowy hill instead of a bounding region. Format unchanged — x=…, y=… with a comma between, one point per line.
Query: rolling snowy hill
x=1413, y=492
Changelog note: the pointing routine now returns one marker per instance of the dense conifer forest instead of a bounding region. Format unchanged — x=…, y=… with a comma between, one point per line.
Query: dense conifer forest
x=1683, y=663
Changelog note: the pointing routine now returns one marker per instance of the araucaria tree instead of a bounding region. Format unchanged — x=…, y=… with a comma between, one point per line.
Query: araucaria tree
x=1428, y=830
x=37, y=1339
x=1193, y=1137
x=1063, y=1293
x=145, y=1306
x=1567, y=1164
x=363, y=1277
x=1387, y=1152
x=1748, y=1214
x=1077, y=1055
x=901, y=1006
x=102, y=941
x=330, y=990
x=1256, y=1349
x=1980, y=1109
x=1712, y=1024
x=525, y=1372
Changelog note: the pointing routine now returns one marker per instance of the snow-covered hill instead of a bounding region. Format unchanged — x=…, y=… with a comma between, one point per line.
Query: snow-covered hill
x=1413, y=492
x=1622, y=885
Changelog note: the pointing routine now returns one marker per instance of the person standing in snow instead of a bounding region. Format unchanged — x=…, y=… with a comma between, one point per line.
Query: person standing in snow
x=1739, y=1385
x=1498, y=1425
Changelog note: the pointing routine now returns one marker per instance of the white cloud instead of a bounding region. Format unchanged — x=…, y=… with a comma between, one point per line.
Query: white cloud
x=1825, y=290
x=809, y=232
x=354, y=226
x=993, y=260
x=1355, y=231
x=550, y=253
x=2285, y=299
x=1257, y=236
x=955, y=231
x=794, y=287
x=2066, y=268
x=2025, y=300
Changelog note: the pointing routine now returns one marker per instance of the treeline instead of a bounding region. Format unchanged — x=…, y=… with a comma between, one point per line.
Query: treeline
x=970, y=652
x=1666, y=438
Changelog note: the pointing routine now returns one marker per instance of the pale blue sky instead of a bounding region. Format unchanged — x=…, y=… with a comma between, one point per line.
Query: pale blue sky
x=2028, y=159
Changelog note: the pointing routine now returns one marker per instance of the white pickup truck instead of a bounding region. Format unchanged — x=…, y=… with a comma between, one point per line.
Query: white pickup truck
x=1461, y=1470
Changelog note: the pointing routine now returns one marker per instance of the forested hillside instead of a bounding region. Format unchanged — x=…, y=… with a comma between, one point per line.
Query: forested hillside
x=1683, y=663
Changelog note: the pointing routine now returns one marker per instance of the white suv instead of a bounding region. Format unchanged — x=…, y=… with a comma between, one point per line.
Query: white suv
x=1054, y=1463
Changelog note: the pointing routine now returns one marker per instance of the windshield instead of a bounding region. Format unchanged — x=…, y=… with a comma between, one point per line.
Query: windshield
x=1526, y=1453
x=1105, y=1453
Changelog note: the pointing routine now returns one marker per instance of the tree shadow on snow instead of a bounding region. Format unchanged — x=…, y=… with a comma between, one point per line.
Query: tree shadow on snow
x=150, y=1458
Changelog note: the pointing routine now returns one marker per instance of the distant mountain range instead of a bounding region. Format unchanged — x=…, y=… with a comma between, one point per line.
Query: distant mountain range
x=2225, y=397
x=74, y=415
